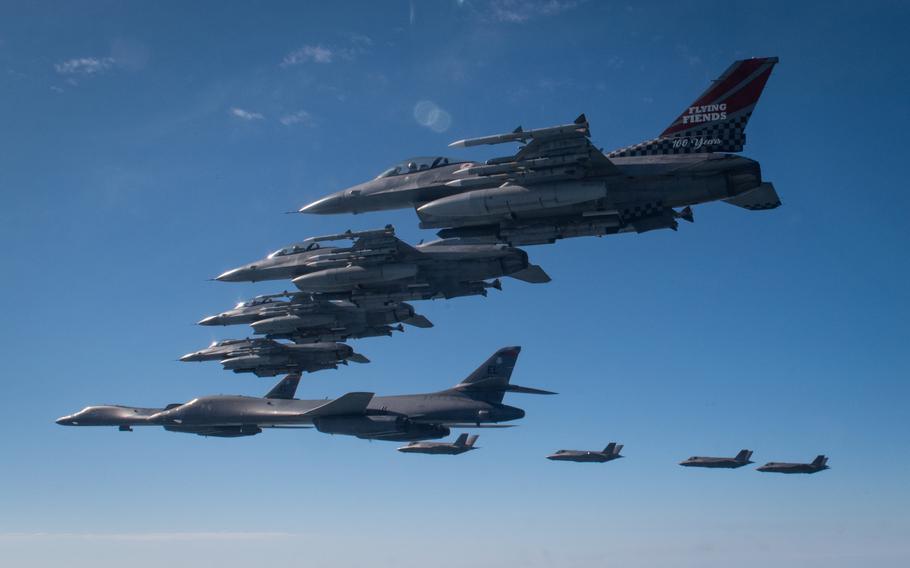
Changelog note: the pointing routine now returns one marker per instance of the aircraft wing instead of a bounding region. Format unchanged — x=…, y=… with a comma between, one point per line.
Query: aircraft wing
x=350, y=403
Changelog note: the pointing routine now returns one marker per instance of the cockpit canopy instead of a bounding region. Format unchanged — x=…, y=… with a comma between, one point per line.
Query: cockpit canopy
x=295, y=248
x=257, y=301
x=413, y=165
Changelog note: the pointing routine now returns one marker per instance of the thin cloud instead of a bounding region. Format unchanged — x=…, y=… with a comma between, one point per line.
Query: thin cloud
x=355, y=45
x=245, y=114
x=520, y=11
x=308, y=54
x=85, y=66
x=299, y=117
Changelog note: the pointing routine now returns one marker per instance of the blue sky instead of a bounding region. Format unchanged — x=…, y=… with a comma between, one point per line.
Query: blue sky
x=145, y=148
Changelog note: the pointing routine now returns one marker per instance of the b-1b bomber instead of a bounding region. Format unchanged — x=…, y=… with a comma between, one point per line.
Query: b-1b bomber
x=309, y=318
x=268, y=358
x=476, y=401
x=380, y=267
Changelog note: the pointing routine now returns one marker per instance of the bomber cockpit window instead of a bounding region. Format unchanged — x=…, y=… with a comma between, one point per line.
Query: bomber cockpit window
x=416, y=165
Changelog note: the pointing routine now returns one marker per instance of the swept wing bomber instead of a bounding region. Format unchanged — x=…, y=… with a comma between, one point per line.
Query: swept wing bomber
x=559, y=185
x=474, y=402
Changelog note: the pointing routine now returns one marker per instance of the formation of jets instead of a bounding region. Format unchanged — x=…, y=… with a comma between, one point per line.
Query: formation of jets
x=353, y=285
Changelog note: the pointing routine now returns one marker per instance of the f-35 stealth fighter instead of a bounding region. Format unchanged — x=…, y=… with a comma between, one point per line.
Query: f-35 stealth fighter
x=820, y=463
x=463, y=444
x=559, y=185
x=305, y=318
x=378, y=263
x=741, y=459
x=267, y=357
x=474, y=402
x=610, y=453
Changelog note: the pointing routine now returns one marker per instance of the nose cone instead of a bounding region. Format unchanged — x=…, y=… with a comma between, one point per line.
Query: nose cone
x=234, y=275
x=210, y=320
x=328, y=205
x=65, y=420
x=191, y=357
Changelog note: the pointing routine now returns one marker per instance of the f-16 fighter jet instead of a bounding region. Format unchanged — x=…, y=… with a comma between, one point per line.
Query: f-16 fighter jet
x=463, y=444
x=559, y=185
x=474, y=402
x=380, y=264
x=611, y=452
x=741, y=459
x=306, y=318
x=267, y=358
x=818, y=464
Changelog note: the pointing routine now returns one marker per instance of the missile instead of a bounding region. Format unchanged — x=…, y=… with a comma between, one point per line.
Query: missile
x=580, y=126
x=335, y=279
x=291, y=323
x=510, y=199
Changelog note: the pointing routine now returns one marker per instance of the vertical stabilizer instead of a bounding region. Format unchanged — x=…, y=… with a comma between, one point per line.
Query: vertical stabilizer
x=716, y=120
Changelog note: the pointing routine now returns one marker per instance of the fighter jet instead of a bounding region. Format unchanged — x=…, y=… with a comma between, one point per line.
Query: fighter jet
x=378, y=263
x=415, y=180
x=818, y=464
x=308, y=318
x=267, y=357
x=463, y=444
x=559, y=185
x=741, y=459
x=610, y=453
x=474, y=402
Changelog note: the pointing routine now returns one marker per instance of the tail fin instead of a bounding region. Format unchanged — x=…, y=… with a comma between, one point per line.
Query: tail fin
x=716, y=120
x=461, y=440
x=471, y=439
x=820, y=460
x=495, y=371
x=743, y=455
x=286, y=387
x=610, y=449
x=490, y=381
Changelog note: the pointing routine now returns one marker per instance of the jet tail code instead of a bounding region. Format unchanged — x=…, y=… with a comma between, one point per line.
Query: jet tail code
x=716, y=120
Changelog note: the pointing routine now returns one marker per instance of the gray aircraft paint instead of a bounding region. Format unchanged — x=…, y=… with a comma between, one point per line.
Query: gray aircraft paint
x=558, y=185
x=741, y=459
x=379, y=263
x=820, y=463
x=306, y=318
x=463, y=444
x=267, y=357
x=610, y=453
x=474, y=402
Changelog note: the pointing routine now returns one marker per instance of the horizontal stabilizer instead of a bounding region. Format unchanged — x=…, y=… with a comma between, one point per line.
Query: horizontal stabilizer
x=527, y=390
x=350, y=403
x=533, y=274
x=358, y=358
x=419, y=321
x=762, y=197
